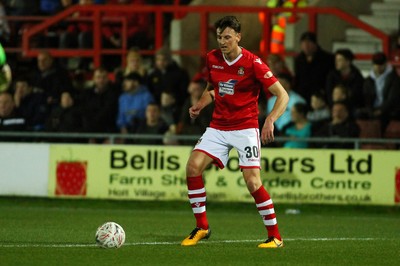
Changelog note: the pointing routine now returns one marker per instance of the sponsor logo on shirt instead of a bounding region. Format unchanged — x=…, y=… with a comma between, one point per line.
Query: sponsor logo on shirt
x=227, y=87
x=268, y=75
x=241, y=71
x=217, y=67
x=258, y=60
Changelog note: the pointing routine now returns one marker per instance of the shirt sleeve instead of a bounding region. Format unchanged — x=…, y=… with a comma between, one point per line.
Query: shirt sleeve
x=263, y=73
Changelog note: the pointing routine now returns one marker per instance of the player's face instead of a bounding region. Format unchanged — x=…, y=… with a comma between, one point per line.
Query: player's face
x=228, y=40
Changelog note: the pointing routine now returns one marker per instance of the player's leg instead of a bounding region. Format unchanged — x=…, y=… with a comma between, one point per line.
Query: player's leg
x=247, y=143
x=265, y=207
x=196, y=164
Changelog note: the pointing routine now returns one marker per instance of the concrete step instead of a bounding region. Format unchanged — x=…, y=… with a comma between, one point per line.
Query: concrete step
x=359, y=35
x=394, y=6
x=385, y=23
x=358, y=47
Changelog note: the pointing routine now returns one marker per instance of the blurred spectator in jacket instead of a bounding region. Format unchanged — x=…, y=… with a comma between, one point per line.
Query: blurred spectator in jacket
x=168, y=75
x=10, y=120
x=152, y=125
x=341, y=125
x=381, y=91
x=99, y=106
x=277, y=64
x=65, y=118
x=51, y=78
x=188, y=125
x=348, y=75
x=132, y=103
x=320, y=112
x=298, y=128
x=311, y=66
x=30, y=103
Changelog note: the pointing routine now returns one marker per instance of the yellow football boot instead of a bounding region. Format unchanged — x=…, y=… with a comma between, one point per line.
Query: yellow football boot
x=272, y=242
x=195, y=236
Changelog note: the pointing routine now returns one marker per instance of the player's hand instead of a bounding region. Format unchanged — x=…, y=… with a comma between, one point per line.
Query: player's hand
x=194, y=111
x=267, y=132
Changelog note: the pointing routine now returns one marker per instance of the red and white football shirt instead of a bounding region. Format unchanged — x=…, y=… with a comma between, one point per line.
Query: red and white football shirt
x=237, y=86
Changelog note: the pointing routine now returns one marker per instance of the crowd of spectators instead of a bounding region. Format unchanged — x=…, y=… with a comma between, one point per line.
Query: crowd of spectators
x=328, y=93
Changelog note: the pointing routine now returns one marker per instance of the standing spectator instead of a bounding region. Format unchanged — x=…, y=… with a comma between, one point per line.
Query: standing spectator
x=188, y=125
x=348, y=75
x=152, y=125
x=341, y=125
x=31, y=104
x=51, y=78
x=382, y=91
x=10, y=120
x=299, y=127
x=99, y=106
x=132, y=103
x=67, y=117
x=168, y=75
x=311, y=66
x=286, y=81
x=134, y=64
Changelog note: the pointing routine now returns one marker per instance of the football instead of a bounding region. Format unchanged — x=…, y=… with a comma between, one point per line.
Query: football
x=110, y=235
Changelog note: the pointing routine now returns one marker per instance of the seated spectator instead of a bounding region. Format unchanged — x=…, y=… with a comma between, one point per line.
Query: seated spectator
x=67, y=117
x=99, y=106
x=188, y=125
x=168, y=75
x=381, y=92
x=320, y=112
x=152, y=125
x=132, y=103
x=311, y=66
x=299, y=127
x=340, y=93
x=51, y=78
x=134, y=64
x=341, y=125
x=10, y=120
x=170, y=111
x=294, y=97
x=31, y=104
x=348, y=75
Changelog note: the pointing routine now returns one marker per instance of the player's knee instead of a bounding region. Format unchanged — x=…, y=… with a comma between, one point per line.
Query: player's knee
x=193, y=168
x=253, y=184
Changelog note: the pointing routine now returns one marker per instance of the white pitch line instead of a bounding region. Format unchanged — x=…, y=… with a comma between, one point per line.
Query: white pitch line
x=32, y=245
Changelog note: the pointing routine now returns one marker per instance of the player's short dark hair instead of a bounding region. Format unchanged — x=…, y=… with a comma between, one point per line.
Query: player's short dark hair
x=228, y=22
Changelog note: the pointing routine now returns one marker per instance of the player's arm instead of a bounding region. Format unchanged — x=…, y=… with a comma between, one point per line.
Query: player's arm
x=206, y=98
x=282, y=98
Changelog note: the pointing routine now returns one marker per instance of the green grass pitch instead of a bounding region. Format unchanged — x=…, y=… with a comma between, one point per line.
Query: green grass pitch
x=61, y=232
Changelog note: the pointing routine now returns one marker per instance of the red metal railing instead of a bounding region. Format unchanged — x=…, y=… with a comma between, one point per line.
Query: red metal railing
x=100, y=11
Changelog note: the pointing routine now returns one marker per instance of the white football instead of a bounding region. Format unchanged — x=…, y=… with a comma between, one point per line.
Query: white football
x=110, y=235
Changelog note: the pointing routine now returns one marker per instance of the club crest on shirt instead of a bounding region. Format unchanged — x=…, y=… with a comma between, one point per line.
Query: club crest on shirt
x=241, y=71
x=227, y=87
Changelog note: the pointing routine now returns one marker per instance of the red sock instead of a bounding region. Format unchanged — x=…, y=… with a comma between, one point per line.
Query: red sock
x=266, y=210
x=197, y=198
